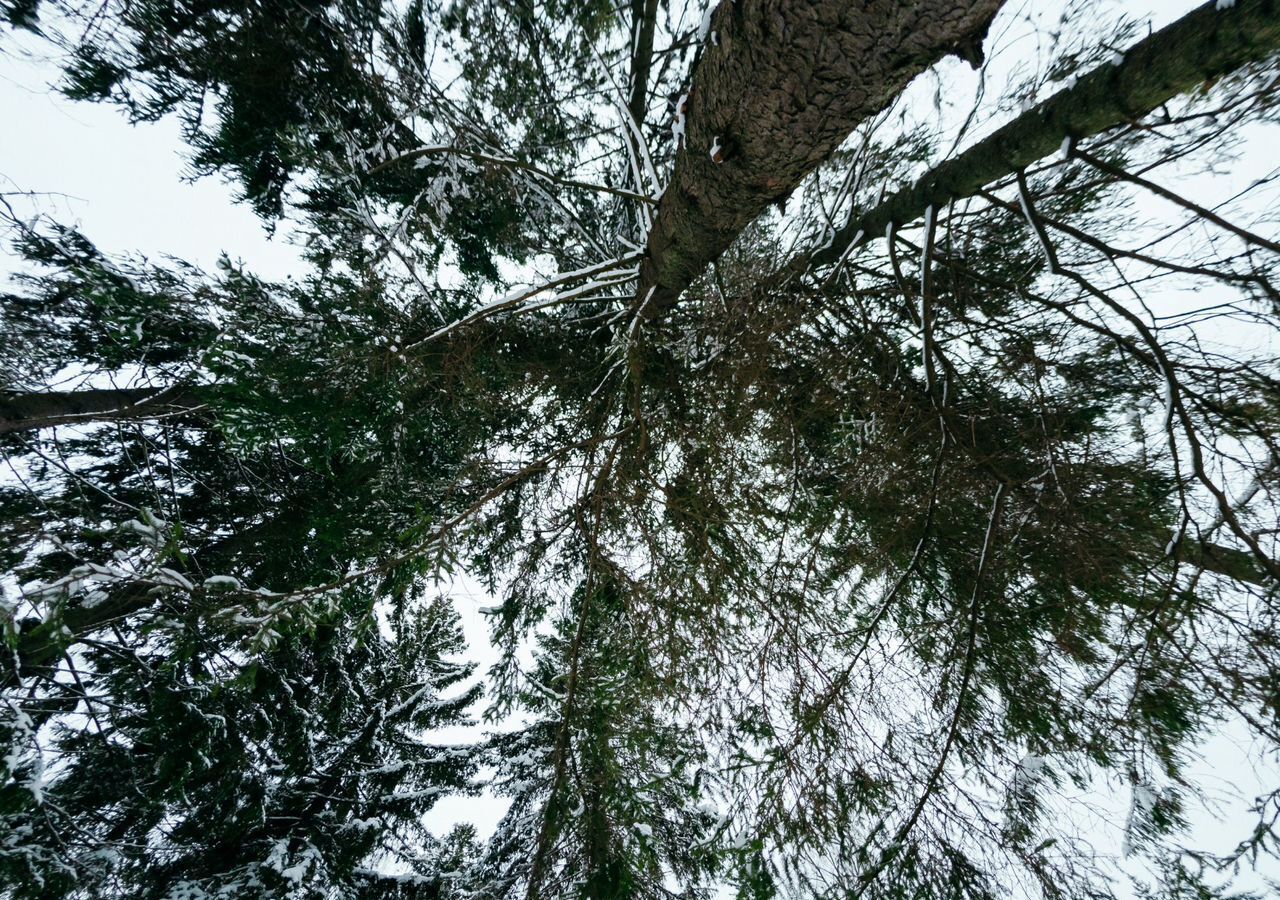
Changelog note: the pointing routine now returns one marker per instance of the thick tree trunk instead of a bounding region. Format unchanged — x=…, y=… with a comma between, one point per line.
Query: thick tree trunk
x=780, y=85
x=44, y=409
x=1206, y=43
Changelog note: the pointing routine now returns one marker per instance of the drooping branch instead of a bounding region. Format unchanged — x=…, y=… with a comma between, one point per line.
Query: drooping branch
x=45, y=409
x=780, y=85
x=1207, y=43
x=1200, y=211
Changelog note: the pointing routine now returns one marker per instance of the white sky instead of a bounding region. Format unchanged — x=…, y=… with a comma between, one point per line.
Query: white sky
x=126, y=187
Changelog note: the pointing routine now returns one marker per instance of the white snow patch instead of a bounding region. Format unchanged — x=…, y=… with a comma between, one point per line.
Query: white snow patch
x=705, y=26
x=177, y=579
x=678, y=123
x=1143, y=801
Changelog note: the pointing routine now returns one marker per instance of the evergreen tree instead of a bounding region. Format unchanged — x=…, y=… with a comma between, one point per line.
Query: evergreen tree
x=854, y=478
x=197, y=770
x=605, y=794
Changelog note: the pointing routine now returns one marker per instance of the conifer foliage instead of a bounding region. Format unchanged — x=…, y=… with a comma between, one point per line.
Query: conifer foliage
x=864, y=416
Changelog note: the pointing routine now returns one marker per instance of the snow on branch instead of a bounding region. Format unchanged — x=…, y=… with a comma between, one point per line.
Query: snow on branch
x=422, y=153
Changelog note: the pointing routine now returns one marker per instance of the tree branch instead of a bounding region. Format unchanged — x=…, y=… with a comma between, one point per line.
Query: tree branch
x=45, y=409
x=510, y=163
x=1203, y=45
x=642, y=58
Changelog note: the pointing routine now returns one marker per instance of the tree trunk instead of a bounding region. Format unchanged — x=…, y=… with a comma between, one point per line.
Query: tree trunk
x=646, y=17
x=780, y=85
x=44, y=409
x=1206, y=43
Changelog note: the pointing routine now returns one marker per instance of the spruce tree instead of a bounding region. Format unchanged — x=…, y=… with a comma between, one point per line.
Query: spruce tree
x=856, y=478
x=605, y=790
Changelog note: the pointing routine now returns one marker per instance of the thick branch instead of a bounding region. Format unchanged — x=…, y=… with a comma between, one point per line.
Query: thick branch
x=1238, y=565
x=45, y=409
x=780, y=85
x=40, y=645
x=646, y=12
x=1206, y=43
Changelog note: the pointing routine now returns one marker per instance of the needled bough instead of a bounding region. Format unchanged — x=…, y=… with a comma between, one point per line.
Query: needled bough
x=782, y=86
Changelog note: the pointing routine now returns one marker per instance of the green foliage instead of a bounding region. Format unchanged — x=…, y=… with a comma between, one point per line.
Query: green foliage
x=213, y=772
x=22, y=13
x=265, y=70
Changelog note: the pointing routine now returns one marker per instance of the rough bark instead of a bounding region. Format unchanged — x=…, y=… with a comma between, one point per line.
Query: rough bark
x=1206, y=43
x=45, y=409
x=781, y=83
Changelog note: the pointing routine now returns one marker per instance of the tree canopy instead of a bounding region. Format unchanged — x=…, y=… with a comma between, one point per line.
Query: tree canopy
x=865, y=417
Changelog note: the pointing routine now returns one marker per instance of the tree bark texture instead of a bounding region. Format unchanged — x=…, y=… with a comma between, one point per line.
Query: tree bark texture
x=45, y=409
x=1239, y=565
x=1206, y=43
x=646, y=17
x=781, y=83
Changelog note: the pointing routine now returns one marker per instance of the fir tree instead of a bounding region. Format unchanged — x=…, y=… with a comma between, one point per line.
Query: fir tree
x=604, y=788
x=194, y=769
x=854, y=478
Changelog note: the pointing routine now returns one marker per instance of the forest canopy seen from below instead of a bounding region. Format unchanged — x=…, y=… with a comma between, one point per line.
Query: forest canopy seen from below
x=859, y=418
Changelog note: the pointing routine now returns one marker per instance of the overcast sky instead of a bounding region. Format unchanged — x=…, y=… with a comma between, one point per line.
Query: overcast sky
x=128, y=188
